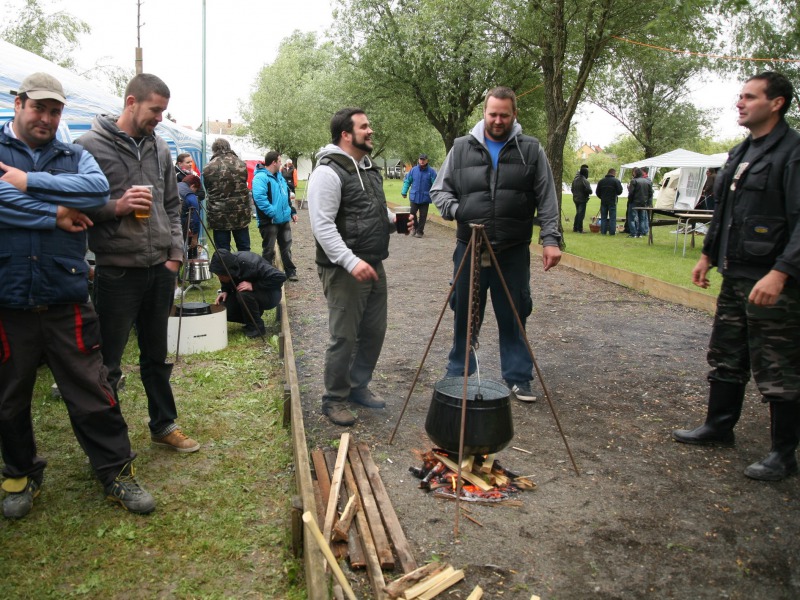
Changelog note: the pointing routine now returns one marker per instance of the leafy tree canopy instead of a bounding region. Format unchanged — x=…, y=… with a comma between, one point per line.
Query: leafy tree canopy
x=51, y=36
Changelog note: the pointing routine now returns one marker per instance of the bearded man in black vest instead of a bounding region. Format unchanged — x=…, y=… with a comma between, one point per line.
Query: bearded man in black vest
x=351, y=226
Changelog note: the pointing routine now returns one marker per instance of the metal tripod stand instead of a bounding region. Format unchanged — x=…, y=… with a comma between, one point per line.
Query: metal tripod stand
x=479, y=247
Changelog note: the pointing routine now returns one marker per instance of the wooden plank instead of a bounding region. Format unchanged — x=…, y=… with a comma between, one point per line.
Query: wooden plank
x=346, y=519
x=355, y=550
x=313, y=559
x=428, y=583
x=473, y=479
x=322, y=488
x=379, y=536
x=311, y=525
x=454, y=578
x=336, y=484
x=396, y=588
x=374, y=572
x=392, y=523
x=476, y=594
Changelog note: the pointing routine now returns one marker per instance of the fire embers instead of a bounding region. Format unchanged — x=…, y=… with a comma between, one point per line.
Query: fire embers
x=485, y=481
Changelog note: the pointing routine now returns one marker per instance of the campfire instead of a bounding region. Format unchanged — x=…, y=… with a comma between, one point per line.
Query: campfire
x=484, y=480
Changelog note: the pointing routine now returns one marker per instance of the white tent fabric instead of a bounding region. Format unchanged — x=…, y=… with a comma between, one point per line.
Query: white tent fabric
x=85, y=98
x=688, y=176
x=680, y=158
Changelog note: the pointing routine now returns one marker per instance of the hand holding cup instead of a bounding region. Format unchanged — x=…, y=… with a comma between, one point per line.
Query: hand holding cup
x=143, y=201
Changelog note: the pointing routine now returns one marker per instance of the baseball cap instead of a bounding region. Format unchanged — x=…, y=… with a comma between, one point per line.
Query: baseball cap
x=423, y=157
x=41, y=86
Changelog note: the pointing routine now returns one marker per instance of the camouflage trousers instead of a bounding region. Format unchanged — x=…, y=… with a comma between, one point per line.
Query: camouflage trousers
x=764, y=339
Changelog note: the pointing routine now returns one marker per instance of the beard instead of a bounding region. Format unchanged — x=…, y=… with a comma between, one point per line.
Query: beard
x=363, y=144
x=498, y=132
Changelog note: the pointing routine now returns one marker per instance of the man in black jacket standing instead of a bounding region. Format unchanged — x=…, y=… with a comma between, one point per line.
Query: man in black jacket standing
x=581, y=190
x=608, y=190
x=499, y=178
x=754, y=241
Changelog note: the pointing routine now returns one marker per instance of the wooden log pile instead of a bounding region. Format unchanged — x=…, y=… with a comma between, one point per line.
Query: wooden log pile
x=484, y=480
x=360, y=523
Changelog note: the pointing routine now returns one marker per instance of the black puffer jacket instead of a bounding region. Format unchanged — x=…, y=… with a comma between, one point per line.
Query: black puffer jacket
x=246, y=266
x=762, y=213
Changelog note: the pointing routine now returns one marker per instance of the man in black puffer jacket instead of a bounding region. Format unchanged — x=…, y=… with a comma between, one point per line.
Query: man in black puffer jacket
x=499, y=178
x=250, y=285
x=754, y=241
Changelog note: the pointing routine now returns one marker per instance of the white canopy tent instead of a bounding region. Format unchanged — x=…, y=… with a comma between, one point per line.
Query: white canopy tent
x=685, y=179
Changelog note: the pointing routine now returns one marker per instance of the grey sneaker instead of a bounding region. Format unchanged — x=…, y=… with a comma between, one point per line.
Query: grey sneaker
x=21, y=493
x=338, y=414
x=129, y=494
x=368, y=398
x=522, y=392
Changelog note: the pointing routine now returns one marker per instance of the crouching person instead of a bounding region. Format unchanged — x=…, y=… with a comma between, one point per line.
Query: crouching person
x=45, y=313
x=250, y=285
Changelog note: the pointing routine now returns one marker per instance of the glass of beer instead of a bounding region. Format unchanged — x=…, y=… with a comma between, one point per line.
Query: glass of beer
x=143, y=213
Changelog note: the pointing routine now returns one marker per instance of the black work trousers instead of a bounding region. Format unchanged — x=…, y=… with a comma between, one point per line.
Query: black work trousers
x=67, y=337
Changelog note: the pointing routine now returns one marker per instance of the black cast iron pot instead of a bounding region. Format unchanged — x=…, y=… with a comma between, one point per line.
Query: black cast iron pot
x=489, y=426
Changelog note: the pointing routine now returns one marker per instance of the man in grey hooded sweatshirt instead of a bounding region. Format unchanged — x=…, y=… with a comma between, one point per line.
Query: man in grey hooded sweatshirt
x=351, y=226
x=499, y=178
x=138, y=246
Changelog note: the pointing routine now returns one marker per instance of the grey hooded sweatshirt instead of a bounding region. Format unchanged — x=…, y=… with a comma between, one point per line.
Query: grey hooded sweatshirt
x=324, y=196
x=128, y=241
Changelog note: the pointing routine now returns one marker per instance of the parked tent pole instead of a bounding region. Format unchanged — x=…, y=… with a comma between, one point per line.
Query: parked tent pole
x=203, y=158
x=139, y=62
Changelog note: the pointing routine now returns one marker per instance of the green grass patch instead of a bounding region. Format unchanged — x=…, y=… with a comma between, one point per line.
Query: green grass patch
x=221, y=526
x=661, y=261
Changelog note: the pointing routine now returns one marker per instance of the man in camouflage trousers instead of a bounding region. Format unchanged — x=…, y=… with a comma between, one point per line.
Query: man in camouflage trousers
x=754, y=241
x=227, y=199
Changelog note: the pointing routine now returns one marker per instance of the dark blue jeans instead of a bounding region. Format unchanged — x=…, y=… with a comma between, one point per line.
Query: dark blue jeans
x=608, y=218
x=125, y=297
x=515, y=265
x=222, y=239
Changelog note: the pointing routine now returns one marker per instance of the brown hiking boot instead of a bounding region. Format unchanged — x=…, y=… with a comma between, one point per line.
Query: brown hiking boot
x=338, y=414
x=176, y=440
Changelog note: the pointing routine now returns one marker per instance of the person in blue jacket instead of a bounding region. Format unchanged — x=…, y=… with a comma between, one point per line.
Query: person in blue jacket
x=45, y=313
x=274, y=212
x=420, y=179
x=188, y=188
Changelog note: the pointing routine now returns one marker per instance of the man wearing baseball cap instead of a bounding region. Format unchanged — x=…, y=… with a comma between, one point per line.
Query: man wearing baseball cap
x=420, y=179
x=45, y=313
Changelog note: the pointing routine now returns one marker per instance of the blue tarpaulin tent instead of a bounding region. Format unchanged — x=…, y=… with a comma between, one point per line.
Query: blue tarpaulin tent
x=85, y=99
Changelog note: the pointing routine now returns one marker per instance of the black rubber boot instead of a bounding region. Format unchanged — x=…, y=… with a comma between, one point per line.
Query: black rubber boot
x=781, y=462
x=724, y=408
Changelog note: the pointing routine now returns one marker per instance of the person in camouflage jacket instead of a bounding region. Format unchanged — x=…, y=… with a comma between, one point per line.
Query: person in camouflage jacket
x=227, y=200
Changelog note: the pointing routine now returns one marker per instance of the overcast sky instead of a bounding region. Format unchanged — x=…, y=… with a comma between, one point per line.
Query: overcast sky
x=241, y=37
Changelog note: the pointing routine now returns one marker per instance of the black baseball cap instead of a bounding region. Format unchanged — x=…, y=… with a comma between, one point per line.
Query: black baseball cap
x=423, y=157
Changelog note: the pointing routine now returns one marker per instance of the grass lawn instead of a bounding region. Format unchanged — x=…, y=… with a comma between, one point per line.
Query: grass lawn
x=660, y=261
x=221, y=525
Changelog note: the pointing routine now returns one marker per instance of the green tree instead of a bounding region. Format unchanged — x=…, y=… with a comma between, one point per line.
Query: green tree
x=564, y=39
x=768, y=30
x=51, y=36
x=286, y=111
x=433, y=52
x=646, y=89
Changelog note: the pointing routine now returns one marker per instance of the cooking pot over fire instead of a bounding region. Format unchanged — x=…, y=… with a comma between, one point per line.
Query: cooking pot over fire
x=489, y=427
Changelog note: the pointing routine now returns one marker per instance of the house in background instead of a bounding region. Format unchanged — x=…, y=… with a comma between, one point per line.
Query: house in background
x=588, y=149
